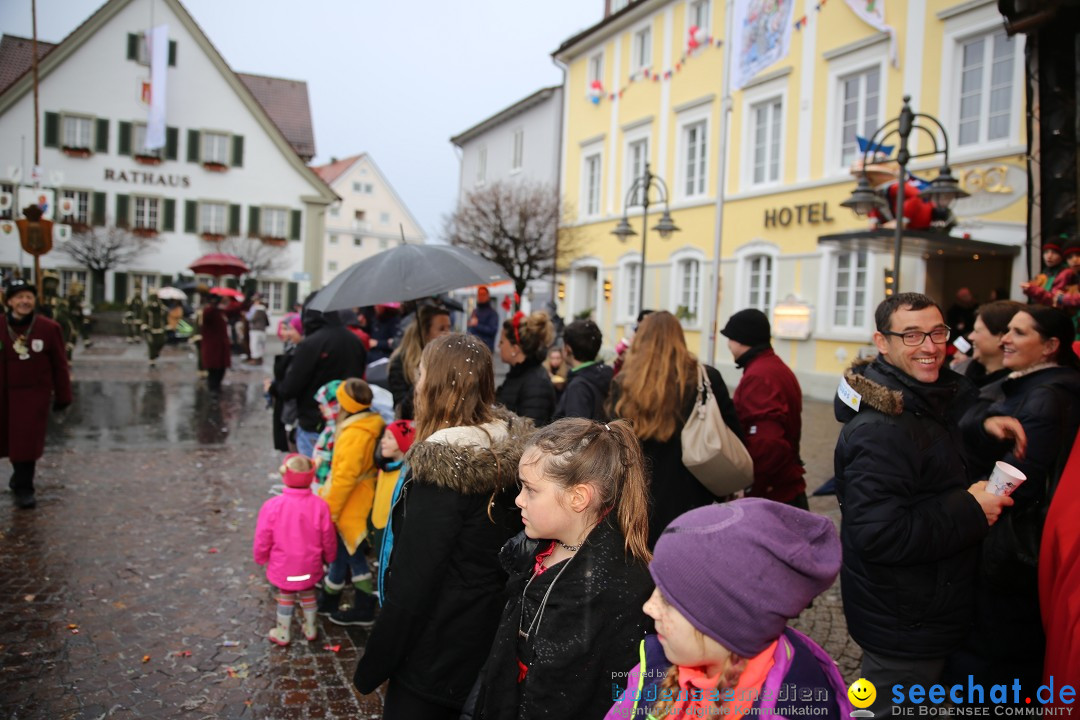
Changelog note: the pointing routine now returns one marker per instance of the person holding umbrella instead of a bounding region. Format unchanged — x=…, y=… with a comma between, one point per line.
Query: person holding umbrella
x=214, y=348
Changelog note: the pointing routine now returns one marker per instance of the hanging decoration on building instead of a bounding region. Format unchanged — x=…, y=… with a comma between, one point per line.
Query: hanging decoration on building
x=804, y=20
x=596, y=92
x=698, y=39
x=158, y=39
x=762, y=36
x=872, y=12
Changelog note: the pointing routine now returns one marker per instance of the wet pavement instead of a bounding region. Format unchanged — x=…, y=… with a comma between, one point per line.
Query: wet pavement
x=130, y=591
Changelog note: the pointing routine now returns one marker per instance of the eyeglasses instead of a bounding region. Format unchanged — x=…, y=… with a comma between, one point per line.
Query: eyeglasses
x=914, y=338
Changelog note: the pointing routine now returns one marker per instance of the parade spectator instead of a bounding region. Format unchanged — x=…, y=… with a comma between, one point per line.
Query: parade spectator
x=659, y=409
x=440, y=582
x=396, y=441
x=556, y=367
x=723, y=647
x=623, y=345
x=383, y=331
x=350, y=493
x=293, y=538
x=432, y=322
x=960, y=316
x=1053, y=265
x=354, y=321
x=35, y=377
x=484, y=321
x=908, y=516
x=768, y=401
x=987, y=368
x=323, y=452
x=1059, y=580
x=258, y=321
x=589, y=381
x=1043, y=394
x=214, y=346
x=578, y=575
x=290, y=331
x=527, y=389
x=328, y=352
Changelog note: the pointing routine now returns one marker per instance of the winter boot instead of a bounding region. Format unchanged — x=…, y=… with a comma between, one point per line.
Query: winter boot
x=329, y=601
x=279, y=634
x=311, y=630
x=361, y=614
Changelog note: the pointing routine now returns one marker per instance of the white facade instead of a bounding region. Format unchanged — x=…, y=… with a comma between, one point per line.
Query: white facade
x=89, y=75
x=370, y=217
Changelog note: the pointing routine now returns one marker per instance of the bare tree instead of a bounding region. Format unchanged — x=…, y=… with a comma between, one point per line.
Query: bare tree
x=262, y=257
x=100, y=249
x=517, y=227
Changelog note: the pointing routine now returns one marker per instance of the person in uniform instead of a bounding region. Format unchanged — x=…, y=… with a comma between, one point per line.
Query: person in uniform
x=153, y=326
x=134, y=314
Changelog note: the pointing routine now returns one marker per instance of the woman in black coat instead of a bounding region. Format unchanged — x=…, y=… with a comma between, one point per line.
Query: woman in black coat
x=527, y=389
x=656, y=390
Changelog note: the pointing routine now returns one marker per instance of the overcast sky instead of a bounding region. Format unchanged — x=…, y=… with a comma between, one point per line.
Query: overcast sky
x=392, y=78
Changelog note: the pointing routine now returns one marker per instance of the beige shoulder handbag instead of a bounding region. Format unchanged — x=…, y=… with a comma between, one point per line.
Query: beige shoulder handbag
x=710, y=450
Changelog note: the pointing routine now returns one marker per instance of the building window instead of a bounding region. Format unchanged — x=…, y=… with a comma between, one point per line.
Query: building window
x=215, y=148
x=359, y=221
x=481, y=166
x=519, y=150
x=591, y=185
x=850, y=293
x=212, y=218
x=7, y=201
x=273, y=222
x=631, y=287
x=637, y=154
x=596, y=69
x=357, y=241
x=760, y=278
x=766, y=118
x=694, y=156
x=77, y=132
x=333, y=240
x=357, y=187
x=148, y=281
x=332, y=266
x=146, y=213
x=140, y=143
x=642, y=48
x=273, y=292
x=69, y=278
x=369, y=188
x=80, y=207
x=861, y=100
x=384, y=218
x=689, y=284
x=699, y=14
x=335, y=210
x=986, y=88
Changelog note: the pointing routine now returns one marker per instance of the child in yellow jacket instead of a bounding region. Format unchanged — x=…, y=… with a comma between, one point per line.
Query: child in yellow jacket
x=350, y=493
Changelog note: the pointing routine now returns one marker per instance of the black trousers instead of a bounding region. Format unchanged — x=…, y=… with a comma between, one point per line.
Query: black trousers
x=22, y=479
x=402, y=704
x=214, y=378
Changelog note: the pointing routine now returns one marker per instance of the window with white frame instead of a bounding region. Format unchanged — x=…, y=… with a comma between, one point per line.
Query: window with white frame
x=759, y=282
x=215, y=148
x=699, y=14
x=7, y=208
x=596, y=69
x=146, y=213
x=212, y=218
x=140, y=143
x=273, y=222
x=850, y=291
x=77, y=132
x=80, y=207
x=335, y=210
x=860, y=97
x=637, y=154
x=384, y=218
x=69, y=278
x=148, y=281
x=694, y=158
x=986, y=88
x=642, y=50
x=332, y=266
x=631, y=289
x=357, y=187
x=519, y=149
x=358, y=241
x=590, y=184
x=766, y=118
x=273, y=292
x=481, y=165
x=333, y=239
x=369, y=189
x=688, y=289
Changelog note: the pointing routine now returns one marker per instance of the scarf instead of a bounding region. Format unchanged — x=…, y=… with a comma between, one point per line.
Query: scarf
x=699, y=695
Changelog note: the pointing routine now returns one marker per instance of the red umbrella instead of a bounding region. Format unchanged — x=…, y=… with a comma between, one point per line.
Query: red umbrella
x=218, y=264
x=227, y=292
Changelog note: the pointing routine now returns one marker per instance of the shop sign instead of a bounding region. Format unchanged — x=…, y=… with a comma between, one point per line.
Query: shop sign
x=991, y=188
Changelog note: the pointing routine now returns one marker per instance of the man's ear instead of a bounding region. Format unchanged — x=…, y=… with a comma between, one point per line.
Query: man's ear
x=881, y=342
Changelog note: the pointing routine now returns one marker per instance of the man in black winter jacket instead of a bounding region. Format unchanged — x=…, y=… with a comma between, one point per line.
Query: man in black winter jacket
x=587, y=387
x=911, y=526
x=329, y=351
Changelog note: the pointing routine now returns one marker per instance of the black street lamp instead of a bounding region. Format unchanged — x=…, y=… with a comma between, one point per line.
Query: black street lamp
x=666, y=226
x=942, y=192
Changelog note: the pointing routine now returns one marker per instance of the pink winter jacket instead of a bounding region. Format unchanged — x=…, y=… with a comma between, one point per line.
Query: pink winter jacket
x=294, y=536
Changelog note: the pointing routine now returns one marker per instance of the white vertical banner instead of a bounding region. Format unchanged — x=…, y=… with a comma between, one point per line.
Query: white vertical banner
x=158, y=40
x=872, y=12
x=761, y=36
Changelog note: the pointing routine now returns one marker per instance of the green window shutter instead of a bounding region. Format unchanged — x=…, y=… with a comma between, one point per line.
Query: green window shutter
x=172, y=53
x=123, y=142
x=253, y=221
x=238, y=151
x=101, y=136
x=234, y=219
x=293, y=295
x=193, y=146
x=133, y=46
x=172, y=142
x=166, y=280
x=294, y=225
x=191, y=210
x=120, y=287
x=169, y=220
x=123, y=218
x=232, y=282
x=97, y=216
x=52, y=129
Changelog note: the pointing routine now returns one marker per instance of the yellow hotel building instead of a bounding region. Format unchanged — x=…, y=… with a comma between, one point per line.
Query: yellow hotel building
x=638, y=90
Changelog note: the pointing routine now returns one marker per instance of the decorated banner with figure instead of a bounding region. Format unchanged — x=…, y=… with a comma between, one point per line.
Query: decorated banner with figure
x=762, y=36
x=872, y=12
x=44, y=198
x=158, y=38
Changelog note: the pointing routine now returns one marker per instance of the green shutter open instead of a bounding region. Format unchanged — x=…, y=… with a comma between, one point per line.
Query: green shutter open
x=293, y=295
x=172, y=53
x=191, y=211
x=120, y=287
x=97, y=215
x=169, y=216
x=234, y=220
x=123, y=218
x=123, y=141
x=133, y=46
x=294, y=225
x=237, y=150
x=101, y=135
x=172, y=142
x=193, y=152
x=52, y=129
x=253, y=221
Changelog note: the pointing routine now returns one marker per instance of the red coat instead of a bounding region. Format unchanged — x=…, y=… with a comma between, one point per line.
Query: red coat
x=768, y=402
x=28, y=388
x=216, y=347
x=1059, y=578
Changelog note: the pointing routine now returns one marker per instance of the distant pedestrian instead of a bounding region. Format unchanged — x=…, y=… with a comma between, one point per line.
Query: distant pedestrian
x=557, y=368
x=258, y=321
x=383, y=331
x=214, y=332
x=527, y=389
x=768, y=401
x=290, y=331
x=484, y=321
x=294, y=537
x=589, y=381
x=33, y=375
x=154, y=320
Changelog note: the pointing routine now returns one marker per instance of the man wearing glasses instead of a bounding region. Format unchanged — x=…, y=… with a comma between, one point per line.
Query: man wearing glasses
x=911, y=522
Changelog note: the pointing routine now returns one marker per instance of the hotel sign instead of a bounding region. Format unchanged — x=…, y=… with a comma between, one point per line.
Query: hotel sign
x=810, y=213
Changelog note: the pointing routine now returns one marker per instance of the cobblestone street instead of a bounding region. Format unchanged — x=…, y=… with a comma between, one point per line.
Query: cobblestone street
x=130, y=591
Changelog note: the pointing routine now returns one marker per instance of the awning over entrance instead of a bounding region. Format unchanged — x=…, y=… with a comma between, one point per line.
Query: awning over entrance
x=919, y=242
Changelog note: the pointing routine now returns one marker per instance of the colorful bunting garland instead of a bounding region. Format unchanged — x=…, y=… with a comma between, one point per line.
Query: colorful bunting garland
x=698, y=39
x=802, y=22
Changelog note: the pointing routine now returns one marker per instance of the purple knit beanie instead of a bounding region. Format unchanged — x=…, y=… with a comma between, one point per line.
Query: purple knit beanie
x=739, y=571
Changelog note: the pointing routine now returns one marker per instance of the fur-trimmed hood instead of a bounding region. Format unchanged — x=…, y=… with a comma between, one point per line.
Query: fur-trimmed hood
x=890, y=391
x=874, y=394
x=476, y=460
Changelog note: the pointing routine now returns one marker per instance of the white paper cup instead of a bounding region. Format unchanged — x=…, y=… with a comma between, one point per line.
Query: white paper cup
x=1005, y=479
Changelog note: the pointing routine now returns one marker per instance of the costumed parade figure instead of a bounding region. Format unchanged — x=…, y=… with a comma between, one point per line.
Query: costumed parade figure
x=919, y=214
x=133, y=316
x=153, y=326
x=78, y=315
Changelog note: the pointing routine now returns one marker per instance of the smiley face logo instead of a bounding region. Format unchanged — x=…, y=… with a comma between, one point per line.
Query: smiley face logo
x=862, y=693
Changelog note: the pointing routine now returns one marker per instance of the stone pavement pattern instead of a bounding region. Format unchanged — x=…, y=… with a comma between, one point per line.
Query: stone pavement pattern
x=130, y=592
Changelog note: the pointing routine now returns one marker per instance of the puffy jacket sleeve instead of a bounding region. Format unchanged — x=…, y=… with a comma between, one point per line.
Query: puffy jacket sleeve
x=418, y=563
x=264, y=531
x=299, y=371
x=354, y=450
x=761, y=406
x=888, y=520
x=327, y=534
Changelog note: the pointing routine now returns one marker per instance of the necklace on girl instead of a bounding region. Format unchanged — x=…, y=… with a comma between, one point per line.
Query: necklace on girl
x=569, y=548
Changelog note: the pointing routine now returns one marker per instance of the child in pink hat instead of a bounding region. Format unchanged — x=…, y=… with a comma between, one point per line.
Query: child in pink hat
x=294, y=538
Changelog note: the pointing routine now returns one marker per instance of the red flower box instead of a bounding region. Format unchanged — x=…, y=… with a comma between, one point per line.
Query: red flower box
x=76, y=152
x=148, y=159
x=144, y=232
x=212, y=237
x=275, y=241
x=215, y=166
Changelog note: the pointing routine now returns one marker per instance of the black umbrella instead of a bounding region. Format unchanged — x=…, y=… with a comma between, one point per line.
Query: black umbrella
x=406, y=272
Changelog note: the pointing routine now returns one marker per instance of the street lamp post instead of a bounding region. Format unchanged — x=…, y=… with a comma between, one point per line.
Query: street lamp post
x=942, y=192
x=665, y=226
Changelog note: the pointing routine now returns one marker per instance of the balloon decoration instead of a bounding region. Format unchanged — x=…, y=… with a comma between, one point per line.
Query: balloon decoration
x=596, y=92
